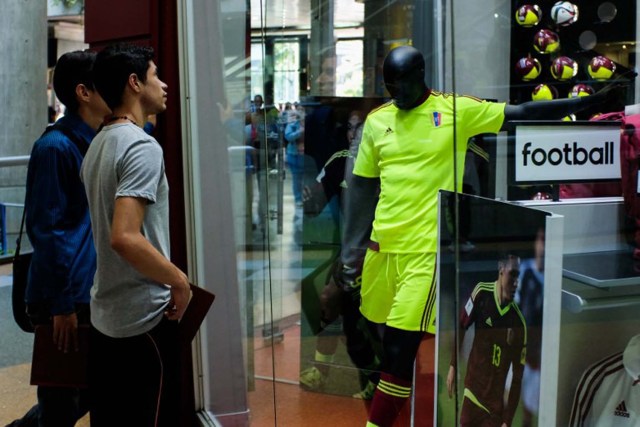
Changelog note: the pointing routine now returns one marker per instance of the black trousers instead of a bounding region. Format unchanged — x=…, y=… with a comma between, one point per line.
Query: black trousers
x=134, y=380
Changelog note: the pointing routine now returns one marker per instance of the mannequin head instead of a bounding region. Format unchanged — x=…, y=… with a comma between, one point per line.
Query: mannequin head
x=403, y=72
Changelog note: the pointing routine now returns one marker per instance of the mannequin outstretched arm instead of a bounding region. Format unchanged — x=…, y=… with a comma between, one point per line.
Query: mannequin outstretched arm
x=557, y=108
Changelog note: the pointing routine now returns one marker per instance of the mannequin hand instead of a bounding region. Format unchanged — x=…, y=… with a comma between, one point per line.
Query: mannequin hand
x=609, y=92
x=348, y=277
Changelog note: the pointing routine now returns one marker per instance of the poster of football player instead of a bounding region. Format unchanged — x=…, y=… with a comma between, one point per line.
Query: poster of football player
x=490, y=323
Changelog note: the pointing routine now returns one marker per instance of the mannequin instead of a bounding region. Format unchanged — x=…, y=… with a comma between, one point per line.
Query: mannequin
x=403, y=73
x=406, y=152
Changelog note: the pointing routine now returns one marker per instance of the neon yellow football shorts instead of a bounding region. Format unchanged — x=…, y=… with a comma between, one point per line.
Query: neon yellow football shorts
x=399, y=290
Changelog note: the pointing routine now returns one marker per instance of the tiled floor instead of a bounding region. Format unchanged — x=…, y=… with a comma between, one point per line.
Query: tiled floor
x=294, y=406
x=16, y=395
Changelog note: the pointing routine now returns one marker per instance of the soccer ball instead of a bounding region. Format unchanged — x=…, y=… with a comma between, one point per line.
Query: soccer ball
x=528, y=68
x=564, y=68
x=601, y=68
x=544, y=92
x=528, y=15
x=581, y=89
x=569, y=118
x=546, y=41
x=564, y=13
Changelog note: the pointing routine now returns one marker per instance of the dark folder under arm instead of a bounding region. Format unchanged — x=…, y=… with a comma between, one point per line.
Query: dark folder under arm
x=193, y=317
x=52, y=367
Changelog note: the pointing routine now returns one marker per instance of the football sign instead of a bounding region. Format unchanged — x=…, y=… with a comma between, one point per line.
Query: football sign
x=562, y=152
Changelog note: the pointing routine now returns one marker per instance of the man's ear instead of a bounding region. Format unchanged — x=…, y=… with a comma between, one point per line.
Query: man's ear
x=82, y=93
x=134, y=82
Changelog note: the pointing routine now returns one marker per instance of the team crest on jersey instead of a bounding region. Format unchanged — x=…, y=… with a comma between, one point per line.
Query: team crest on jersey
x=437, y=118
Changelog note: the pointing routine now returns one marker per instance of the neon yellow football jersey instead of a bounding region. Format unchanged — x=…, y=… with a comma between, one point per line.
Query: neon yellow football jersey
x=412, y=152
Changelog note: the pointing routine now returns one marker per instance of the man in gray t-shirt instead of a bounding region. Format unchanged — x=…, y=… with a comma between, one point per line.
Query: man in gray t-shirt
x=138, y=294
x=126, y=162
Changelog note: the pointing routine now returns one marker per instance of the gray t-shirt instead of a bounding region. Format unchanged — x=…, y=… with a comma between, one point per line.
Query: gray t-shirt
x=124, y=161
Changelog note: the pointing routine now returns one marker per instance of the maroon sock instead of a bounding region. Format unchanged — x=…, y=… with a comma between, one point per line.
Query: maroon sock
x=391, y=394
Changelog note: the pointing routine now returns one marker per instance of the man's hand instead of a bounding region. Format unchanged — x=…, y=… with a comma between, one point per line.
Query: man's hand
x=65, y=332
x=180, y=296
x=451, y=381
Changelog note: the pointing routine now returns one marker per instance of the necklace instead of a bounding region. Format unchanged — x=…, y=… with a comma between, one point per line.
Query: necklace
x=114, y=118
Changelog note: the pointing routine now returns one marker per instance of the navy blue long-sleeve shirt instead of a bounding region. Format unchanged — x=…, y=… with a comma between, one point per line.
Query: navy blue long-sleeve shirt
x=57, y=221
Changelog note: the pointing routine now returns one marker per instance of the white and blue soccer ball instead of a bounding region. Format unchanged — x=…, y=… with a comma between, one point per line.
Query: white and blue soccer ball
x=564, y=13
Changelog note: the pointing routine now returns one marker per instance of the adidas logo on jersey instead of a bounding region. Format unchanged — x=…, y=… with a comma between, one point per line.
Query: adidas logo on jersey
x=621, y=410
x=489, y=322
x=388, y=131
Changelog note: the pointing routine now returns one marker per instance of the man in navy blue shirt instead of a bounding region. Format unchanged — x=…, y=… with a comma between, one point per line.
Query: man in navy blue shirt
x=59, y=229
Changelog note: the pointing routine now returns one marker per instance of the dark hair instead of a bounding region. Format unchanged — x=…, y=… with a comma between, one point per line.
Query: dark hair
x=114, y=64
x=505, y=257
x=72, y=69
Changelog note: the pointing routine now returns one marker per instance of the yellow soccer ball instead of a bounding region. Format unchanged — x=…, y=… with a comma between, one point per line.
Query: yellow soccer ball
x=528, y=15
x=581, y=89
x=544, y=92
x=564, y=68
x=601, y=68
x=546, y=41
x=528, y=68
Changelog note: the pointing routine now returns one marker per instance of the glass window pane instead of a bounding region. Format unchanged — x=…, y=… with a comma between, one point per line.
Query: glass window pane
x=286, y=71
x=318, y=66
